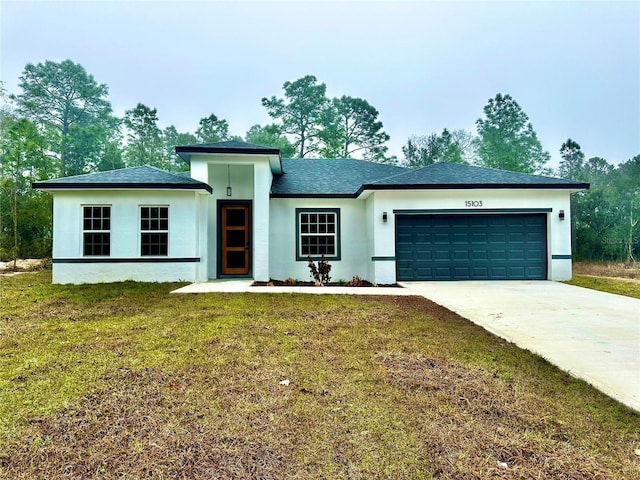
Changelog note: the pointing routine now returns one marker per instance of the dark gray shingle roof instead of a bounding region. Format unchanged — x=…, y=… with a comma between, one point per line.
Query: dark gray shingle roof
x=133, y=177
x=453, y=175
x=322, y=177
x=348, y=178
x=229, y=144
x=232, y=147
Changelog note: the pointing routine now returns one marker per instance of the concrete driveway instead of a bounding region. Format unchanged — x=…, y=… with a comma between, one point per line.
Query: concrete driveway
x=592, y=335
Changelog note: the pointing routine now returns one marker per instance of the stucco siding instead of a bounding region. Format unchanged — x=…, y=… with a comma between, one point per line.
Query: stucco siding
x=558, y=231
x=353, y=239
x=261, y=221
x=250, y=180
x=125, y=239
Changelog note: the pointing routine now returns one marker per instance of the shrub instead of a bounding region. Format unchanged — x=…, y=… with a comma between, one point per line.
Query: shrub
x=320, y=273
x=355, y=281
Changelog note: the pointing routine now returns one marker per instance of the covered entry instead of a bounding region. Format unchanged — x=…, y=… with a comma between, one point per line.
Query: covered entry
x=481, y=246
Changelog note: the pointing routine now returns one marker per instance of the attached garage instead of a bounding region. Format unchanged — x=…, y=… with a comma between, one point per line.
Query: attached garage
x=482, y=246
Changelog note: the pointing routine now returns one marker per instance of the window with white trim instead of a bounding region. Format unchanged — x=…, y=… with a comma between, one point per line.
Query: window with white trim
x=96, y=230
x=318, y=233
x=154, y=231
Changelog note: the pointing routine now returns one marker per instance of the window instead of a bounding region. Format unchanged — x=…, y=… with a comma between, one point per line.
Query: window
x=96, y=230
x=154, y=231
x=318, y=232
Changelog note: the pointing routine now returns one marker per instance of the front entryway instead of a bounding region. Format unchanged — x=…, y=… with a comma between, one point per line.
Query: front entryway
x=234, y=238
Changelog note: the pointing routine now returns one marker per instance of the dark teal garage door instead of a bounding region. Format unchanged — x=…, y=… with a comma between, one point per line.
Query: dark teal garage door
x=471, y=247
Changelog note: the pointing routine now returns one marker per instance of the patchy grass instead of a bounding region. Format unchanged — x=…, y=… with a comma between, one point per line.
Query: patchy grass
x=611, y=277
x=608, y=269
x=620, y=286
x=123, y=380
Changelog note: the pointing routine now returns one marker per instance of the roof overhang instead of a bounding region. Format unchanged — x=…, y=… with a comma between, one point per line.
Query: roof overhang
x=275, y=161
x=571, y=187
x=313, y=195
x=47, y=186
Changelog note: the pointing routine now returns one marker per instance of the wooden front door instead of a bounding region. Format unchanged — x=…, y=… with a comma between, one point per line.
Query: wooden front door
x=235, y=240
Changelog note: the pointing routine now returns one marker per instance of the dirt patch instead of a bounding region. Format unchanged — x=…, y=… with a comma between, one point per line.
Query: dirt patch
x=23, y=265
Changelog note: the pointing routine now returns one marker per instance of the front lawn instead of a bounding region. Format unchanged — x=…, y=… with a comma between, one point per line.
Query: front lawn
x=125, y=380
x=619, y=286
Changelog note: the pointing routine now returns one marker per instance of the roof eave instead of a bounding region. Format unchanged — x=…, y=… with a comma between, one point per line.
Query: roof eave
x=250, y=151
x=275, y=160
x=186, y=157
x=45, y=186
x=469, y=186
x=313, y=195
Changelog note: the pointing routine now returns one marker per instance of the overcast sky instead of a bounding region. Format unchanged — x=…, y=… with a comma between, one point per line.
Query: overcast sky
x=574, y=67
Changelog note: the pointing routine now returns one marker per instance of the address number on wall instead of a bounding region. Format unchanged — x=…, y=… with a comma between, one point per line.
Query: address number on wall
x=473, y=203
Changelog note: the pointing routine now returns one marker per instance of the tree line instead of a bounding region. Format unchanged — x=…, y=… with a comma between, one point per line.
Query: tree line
x=61, y=123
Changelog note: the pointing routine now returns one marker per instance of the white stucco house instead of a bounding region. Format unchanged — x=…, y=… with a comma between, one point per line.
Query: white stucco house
x=243, y=211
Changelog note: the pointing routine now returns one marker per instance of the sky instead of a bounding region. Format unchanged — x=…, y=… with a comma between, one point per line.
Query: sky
x=573, y=67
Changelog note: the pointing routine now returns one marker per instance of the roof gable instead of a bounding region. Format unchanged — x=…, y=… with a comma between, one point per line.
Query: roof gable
x=147, y=177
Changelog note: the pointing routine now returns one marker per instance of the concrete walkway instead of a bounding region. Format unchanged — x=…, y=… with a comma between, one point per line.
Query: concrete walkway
x=592, y=335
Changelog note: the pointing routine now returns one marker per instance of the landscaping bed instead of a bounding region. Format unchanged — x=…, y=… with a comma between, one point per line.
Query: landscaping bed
x=299, y=283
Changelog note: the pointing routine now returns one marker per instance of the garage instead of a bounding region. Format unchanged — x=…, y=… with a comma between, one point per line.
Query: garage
x=479, y=246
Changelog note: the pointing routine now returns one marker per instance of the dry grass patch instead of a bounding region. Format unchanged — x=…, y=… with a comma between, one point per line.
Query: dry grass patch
x=619, y=286
x=490, y=432
x=124, y=380
x=143, y=425
x=610, y=277
x=608, y=269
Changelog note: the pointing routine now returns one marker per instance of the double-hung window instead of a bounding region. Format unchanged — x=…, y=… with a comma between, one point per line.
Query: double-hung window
x=318, y=233
x=96, y=230
x=154, y=231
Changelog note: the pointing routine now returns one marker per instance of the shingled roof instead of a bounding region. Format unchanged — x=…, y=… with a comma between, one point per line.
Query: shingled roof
x=344, y=177
x=146, y=177
x=458, y=176
x=326, y=178
x=232, y=147
x=322, y=177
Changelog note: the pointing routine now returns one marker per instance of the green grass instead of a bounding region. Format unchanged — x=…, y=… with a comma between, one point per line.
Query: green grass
x=125, y=380
x=629, y=288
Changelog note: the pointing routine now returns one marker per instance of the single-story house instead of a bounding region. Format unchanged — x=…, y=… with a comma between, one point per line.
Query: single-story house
x=243, y=211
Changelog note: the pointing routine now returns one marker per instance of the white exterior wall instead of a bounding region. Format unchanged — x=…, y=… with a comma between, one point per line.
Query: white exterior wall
x=370, y=209
x=185, y=240
x=558, y=232
x=261, y=221
x=353, y=239
x=250, y=178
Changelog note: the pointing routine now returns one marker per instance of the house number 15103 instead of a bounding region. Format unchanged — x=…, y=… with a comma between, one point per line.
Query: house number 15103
x=473, y=203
